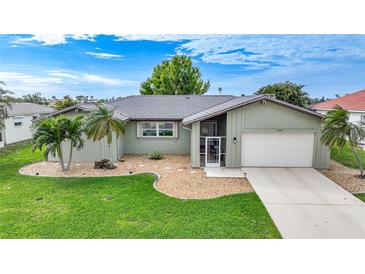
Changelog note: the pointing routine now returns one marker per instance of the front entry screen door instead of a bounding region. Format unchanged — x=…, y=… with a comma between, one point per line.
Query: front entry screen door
x=212, y=151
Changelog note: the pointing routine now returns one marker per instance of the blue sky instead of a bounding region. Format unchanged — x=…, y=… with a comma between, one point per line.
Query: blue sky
x=115, y=65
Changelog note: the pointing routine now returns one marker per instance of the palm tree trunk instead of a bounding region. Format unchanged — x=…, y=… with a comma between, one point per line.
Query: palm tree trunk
x=70, y=157
x=60, y=157
x=359, y=161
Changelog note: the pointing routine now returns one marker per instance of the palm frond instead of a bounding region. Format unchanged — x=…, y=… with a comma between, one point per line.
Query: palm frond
x=338, y=130
x=101, y=123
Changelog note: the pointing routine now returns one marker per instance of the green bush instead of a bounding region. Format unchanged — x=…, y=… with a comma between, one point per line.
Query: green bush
x=156, y=155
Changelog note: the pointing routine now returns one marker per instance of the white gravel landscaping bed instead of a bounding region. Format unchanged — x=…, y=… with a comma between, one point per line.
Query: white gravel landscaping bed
x=178, y=179
x=345, y=177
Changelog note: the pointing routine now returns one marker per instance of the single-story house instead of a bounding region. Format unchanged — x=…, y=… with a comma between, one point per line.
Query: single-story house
x=215, y=130
x=353, y=102
x=18, y=123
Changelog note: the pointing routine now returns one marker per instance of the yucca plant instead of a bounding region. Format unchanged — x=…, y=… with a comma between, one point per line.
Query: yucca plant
x=156, y=155
x=338, y=130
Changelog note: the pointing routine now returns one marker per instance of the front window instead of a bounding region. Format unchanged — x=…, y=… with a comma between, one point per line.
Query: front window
x=149, y=129
x=18, y=124
x=157, y=129
x=165, y=129
x=363, y=120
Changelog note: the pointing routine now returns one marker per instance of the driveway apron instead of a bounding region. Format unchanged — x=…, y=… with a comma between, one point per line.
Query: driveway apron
x=303, y=203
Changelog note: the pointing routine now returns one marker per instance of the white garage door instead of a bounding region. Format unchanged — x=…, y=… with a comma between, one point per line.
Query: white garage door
x=277, y=149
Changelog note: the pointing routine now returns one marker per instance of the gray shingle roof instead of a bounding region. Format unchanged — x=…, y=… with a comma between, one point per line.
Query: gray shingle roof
x=175, y=107
x=188, y=108
x=28, y=109
x=242, y=101
x=83, y=107
x=221, y=108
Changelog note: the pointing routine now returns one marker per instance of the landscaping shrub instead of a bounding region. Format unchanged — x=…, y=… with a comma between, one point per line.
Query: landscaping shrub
x=156, y=155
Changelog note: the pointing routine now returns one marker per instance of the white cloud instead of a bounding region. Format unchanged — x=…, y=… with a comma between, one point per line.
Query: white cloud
x=88, y=77
x=88, y=37
x=44, y=39
x=157, y=37
x=104, y=55
x=27, y=79
x=268, y=50
x=258, y=52
x=92, y=78
x=52, y=39
x=63, y=74
x=58, y=80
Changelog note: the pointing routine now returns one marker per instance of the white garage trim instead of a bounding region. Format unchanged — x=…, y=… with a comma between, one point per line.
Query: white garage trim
x=277, y=149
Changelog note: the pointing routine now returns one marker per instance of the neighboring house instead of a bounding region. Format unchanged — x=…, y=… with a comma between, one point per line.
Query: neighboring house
x=353, y=102
x=19, y=121
x=216, y=131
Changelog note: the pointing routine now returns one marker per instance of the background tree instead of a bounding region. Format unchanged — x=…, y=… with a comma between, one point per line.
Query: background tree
x=174, y=77
x=101, y=123
x=34, y=98
x=220, y=90
x=51, y=132
x=288, y=92
x=317, y=100
x=67, y=101
x=85, y=99
x=338, y=130
x=6, y=101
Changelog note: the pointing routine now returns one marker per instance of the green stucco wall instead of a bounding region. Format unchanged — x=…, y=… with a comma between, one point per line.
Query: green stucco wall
x=271, y=116
x=93, y=151
x=132, y=144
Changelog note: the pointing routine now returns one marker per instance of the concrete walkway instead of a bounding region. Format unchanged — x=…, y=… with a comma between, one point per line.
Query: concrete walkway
x=222, y=172
x=305, y=204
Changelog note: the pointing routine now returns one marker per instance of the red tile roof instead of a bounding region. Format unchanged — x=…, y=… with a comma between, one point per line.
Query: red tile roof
x=353, y=101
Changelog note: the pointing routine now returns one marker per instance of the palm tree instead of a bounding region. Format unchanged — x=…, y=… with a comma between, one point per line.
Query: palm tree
x=101, y=123
x=5, y=101
x=53, y=131
x=338, y=130
x=74, y=131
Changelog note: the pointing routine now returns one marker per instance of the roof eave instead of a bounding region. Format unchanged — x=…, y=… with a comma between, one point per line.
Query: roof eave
x=62, y=111
x=254, y=100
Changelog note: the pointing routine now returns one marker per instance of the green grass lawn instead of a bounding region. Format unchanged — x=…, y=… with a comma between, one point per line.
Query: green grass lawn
x=361, y=196
x=116, y=207
x=346, y=156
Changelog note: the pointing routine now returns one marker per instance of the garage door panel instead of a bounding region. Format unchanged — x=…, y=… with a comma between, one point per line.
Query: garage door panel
x=277, y=149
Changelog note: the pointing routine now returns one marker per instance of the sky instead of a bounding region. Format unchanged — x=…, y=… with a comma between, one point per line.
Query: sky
x=107, y=66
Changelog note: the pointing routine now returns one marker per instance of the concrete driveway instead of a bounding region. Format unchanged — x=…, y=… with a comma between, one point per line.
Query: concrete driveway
x=303, y=203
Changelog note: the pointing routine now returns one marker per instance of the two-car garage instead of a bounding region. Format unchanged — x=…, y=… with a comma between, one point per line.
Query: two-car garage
x=267, y=133
x=277, y=149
